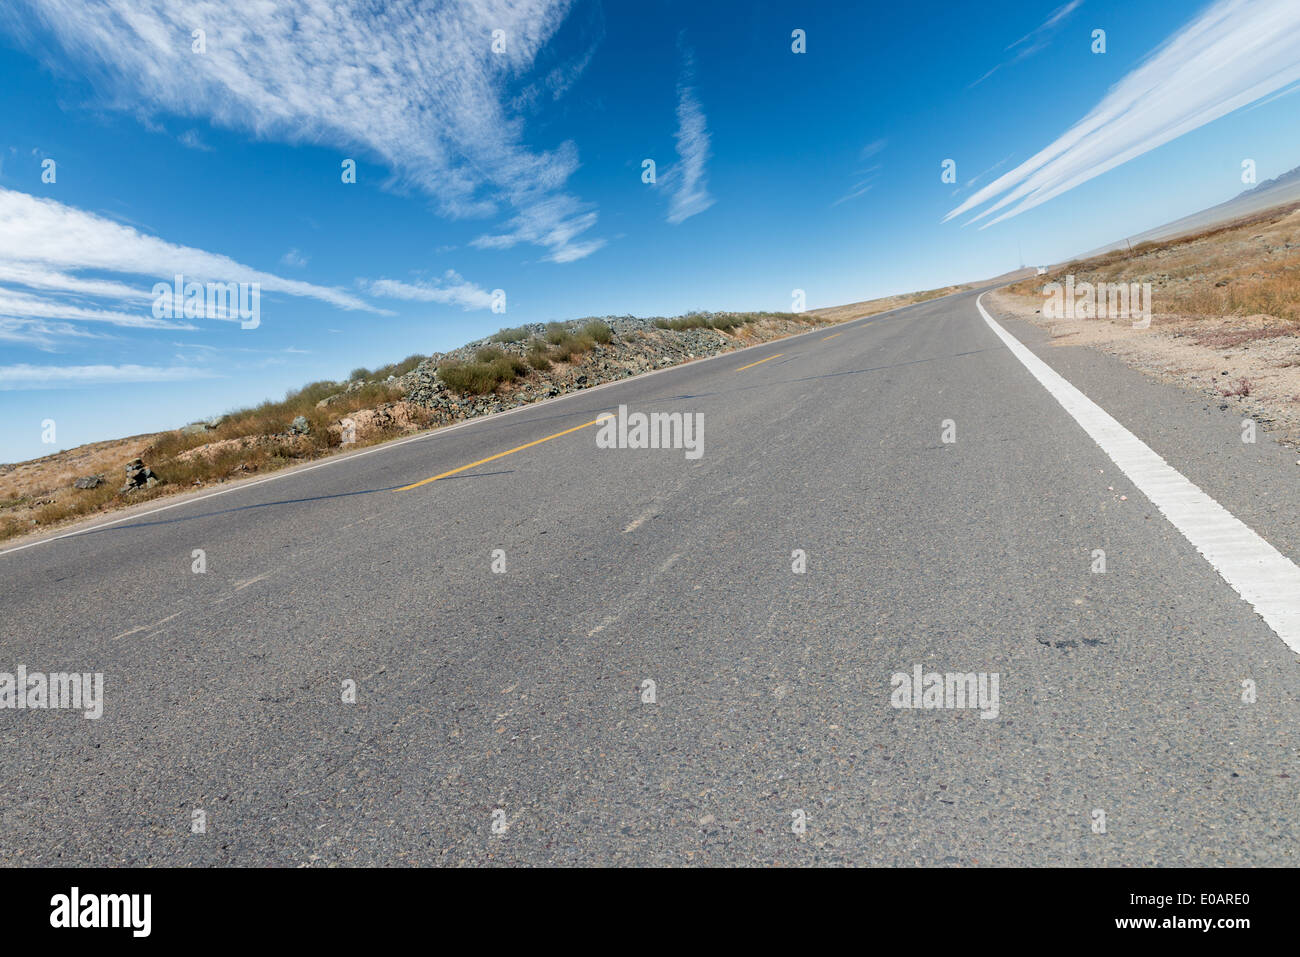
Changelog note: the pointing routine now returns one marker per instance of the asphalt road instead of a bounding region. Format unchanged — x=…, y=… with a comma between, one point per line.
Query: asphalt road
x=517, y=697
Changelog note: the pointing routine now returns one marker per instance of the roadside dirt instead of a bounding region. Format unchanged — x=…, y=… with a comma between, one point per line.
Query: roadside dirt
x=1225, y=315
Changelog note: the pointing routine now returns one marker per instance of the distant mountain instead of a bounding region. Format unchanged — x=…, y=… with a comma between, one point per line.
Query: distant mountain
x=1272, y=192
x=1285, y=180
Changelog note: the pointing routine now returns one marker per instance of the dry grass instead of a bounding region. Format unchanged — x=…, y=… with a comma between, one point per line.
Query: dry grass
x=37, y=495
x=598, y=332
x=1239, y=388
x=517, y=334
x=870, y=307
x=729, y=321
x=571, y=346
x=1228, y=339
x=1249, y=267
x=1225, y=313
x=51, y=499
x=538, y=356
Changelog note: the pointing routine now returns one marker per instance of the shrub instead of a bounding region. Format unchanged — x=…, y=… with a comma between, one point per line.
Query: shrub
x=518, y=334
x=488, y=354
x=571, y=346
x=504, y=368
x=537, y=357
x=399, y=368
x=598, y=332
x=479, y=377
x=555, y=333
x=475, y=378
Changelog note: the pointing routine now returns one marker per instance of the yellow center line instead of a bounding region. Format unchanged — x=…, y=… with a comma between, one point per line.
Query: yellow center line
x=501, y=455
x=832, y=337
x=760, y=362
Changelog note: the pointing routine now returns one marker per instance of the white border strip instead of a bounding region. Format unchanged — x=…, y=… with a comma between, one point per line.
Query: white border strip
x=1256, y=570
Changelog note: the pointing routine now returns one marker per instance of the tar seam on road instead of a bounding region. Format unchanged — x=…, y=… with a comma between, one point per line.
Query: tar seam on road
x=501, y=455
x=760, y=362
x=1257, y=571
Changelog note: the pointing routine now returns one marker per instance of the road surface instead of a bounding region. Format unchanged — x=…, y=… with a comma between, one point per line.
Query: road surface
x=500, y=716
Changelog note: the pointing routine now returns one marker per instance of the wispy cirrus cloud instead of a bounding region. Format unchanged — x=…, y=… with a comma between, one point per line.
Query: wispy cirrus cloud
x=25, y=376
x=1035, y=40
x=191, y=140
x=20, y=305
x=38, y=334
x=45, y=244
x=450, y=289
x=687, y=179
x=416, y=85
x=867, y=175
x=1232, y=54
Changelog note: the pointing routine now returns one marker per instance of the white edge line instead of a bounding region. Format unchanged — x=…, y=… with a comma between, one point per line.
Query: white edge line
x=476, y=420
x=1258, y=572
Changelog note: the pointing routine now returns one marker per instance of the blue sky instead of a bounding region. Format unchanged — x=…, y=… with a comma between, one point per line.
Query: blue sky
x=521, y=169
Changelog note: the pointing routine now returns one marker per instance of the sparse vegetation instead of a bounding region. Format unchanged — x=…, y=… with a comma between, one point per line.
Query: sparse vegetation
x=517, y=334
x=272, y=418
x=399, y=368
x=727, y=321
x=570, y=346
x=870, y=307
x=537, y=355
x=1226, y=311
x=517, y=364
x=1236, y=337
x=475, y=378
x=598, y=332
x=1248, y=267
x=256, y=439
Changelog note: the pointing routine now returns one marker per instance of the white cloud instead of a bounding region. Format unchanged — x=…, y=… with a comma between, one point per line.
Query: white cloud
x=190, y=139
x=42, y=242
x=1036, y=39
x=554, y=223
x=868, y=175
x=35, y=276
x=451, y=289
x=872, y=148
x=415, y=84
x=861, y=187
x=1234, y=53
x=41, y=335
x=24, y=376
x=21, y=305
x=687, y=178
x=293, y=258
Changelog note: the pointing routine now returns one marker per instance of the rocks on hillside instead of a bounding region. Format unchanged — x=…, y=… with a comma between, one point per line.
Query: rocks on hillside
x=300, y=425
x=391, y=415
x=286, y=444
x=138, y=475
x=89, y=481
x=206, y=425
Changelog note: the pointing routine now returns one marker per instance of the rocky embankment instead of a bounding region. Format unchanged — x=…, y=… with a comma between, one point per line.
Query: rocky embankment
x=636, y=346
x=540, y=361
